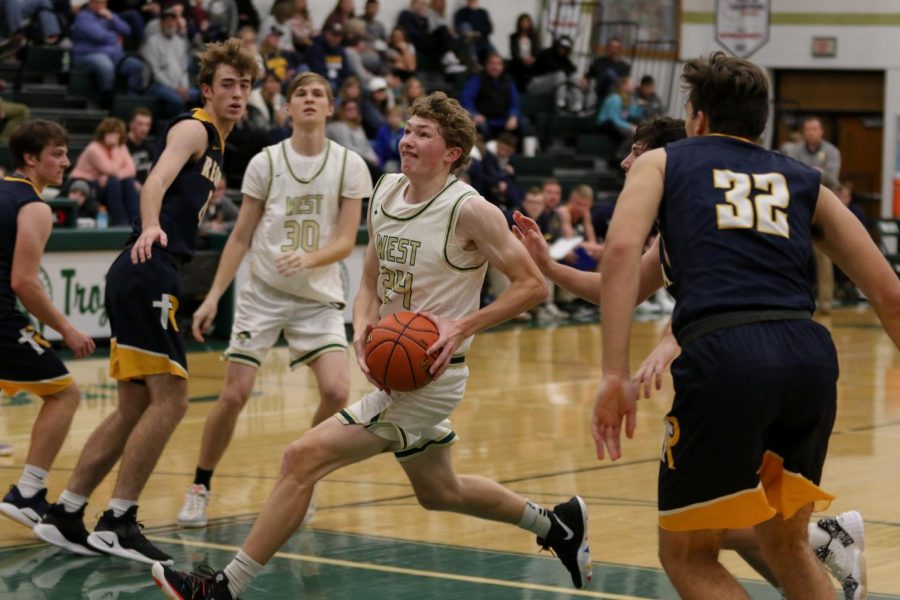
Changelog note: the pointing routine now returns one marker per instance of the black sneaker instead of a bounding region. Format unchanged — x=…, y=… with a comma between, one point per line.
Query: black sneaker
x=205, y=584
x=568, y=539
x=27, y=511
x=121, y=536
x=65, y=529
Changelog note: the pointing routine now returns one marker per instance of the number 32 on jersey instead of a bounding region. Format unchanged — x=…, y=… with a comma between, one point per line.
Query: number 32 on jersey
x=757, y=201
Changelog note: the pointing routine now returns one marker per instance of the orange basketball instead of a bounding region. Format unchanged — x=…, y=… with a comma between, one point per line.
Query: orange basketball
x=396, y=351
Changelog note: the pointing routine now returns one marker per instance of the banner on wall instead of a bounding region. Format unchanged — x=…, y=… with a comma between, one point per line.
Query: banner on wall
x=742, y=26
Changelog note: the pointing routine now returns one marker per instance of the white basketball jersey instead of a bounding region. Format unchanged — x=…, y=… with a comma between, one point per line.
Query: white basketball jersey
x=300, y=215
x=421, y=264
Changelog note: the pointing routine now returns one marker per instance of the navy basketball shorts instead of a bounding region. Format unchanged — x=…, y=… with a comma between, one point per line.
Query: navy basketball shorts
x=29, y=363
x=142, y=303
x=748, y=431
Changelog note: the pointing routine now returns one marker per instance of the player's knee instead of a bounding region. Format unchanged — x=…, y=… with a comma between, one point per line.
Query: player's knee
x=301, y=459
x=335, y=395
x=234, y=398
x=435, y=498
x=65, y=399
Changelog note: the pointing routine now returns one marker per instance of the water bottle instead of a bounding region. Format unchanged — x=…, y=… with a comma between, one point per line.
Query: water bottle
x=102, y=218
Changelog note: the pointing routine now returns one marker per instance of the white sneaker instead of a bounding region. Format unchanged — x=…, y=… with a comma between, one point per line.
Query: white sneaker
x=193, y=512
x=665, y=302
x=646, y=308
x=553, y=310
x=311, y=511
x=844, y=555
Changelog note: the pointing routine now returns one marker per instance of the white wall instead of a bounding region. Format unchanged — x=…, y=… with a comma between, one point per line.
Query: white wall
x=867, y=39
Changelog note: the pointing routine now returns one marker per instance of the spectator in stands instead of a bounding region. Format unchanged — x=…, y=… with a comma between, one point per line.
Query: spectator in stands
x=533, y=206
x=282, y=62
x=96, y=46
x=430, y=35
x=387, y=140
x=401, y=53
x=279, y=19
x=648, y=100
x=473, y=25
x=327, y=57
x=492, y=99
x=16, y=12
x=351, y=89
x=844, y=193
x=524, y=46
x=341, y=13
x=222, y=20
x=375, y=30
x=499, y=185
x=268, y=100
x=81, y=192
x=412, y=89
x=303, y=30
x=364, y=61
x=554, y=72
x=552, y=192
x=247, y=35
x=167, y=53
x=374, y=107
x=618, y=115
x=11, y=115
x=138, y=145
x=247, y=14
x=347, y=131
x=221, y=211
x=823, y=156
x=137, y=13
x=607, y=69
x=107, y=165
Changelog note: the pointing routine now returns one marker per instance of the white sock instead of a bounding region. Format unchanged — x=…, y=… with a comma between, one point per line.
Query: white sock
x=33, y=480
x=240, y=572
x=535, y=519
x=120, y=506
x=72, y=501
x=818, y=537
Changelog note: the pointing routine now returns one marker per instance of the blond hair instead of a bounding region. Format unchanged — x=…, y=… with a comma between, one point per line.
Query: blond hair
x=231, y=52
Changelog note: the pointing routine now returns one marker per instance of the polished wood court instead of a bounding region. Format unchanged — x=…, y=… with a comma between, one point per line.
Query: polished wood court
x=524, y=422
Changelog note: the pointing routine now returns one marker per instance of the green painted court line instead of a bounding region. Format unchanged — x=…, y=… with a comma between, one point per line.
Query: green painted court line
x=406, y=571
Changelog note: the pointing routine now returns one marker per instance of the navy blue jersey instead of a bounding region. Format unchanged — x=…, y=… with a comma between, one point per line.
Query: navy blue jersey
x=15, y=192
x=185, y=201
x=735, y=221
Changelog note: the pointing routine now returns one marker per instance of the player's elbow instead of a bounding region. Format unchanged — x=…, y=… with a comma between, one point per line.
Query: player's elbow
x=886, y=300
x=21, y=286
x=537, y=290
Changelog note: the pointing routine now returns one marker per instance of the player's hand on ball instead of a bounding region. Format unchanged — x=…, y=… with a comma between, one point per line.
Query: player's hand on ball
x=203, y=320
x=616, y=399
x=359, y=346
x=451, y=336
x=290, y=263
x=80, y=343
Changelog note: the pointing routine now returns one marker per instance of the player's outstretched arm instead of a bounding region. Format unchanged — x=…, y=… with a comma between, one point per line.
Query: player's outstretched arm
x=338, y=248
x=33, y=230
x=584, y=284
x=249, y=216
x=483, y=225
x=186, y=140
x=848, y=244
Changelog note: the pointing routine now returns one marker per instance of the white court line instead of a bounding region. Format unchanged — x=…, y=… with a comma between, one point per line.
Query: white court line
x=404, y=571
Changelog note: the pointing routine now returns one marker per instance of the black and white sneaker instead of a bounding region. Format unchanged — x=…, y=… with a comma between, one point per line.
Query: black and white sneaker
x=65, y=529
x=844, y=554
x=121, y=536
x=205, y=584
x=568, y=539
x=27, y=511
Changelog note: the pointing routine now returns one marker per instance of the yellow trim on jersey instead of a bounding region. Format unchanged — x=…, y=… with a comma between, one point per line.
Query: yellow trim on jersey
x=734, y=511
x=128, y=362
x=787, y=492
x=732, y=137
x=202, y=115
x=44, y=387
x=24, y=180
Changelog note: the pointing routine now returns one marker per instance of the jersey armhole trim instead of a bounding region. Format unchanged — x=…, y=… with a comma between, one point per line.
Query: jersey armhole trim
x=451, y=229
x=271, y=171
x=343, y=170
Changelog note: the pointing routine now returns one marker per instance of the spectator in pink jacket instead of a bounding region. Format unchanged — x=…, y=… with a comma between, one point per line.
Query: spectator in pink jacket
x=107, y=165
